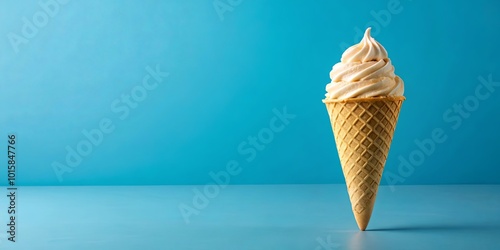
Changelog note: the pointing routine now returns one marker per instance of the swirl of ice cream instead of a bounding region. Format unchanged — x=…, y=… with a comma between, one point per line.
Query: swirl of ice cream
x=364, y=71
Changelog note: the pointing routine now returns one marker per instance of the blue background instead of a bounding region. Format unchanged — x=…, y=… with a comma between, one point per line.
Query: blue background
x=227, y=74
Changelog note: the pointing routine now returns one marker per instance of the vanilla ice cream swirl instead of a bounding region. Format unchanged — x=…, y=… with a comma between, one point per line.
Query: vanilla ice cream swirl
x=364, y=71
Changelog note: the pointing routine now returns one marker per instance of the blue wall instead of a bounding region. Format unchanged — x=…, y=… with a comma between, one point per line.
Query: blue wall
x=232, y=72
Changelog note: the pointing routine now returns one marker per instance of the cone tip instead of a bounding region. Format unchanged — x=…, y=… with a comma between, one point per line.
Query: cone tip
x=362, y=225
x=362, y=219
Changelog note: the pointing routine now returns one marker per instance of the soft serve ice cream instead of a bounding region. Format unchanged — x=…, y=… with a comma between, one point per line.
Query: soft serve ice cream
x=364, y=71
x=363, y=102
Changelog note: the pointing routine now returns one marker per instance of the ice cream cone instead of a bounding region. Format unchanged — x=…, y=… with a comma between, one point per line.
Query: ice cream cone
x=363, y=130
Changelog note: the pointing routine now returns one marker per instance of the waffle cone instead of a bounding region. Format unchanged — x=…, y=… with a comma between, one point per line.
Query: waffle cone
x=363, y=130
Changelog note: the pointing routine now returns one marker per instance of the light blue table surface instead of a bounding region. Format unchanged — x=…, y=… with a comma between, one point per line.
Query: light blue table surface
x=252, y=217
